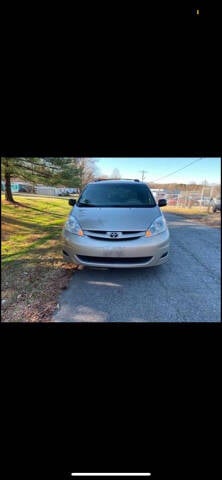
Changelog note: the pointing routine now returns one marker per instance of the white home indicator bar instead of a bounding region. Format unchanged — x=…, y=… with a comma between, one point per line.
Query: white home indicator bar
x=111, y=474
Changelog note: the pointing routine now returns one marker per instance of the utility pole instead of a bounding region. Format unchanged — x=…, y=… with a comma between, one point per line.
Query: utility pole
x=143, y=174
x=204, y=183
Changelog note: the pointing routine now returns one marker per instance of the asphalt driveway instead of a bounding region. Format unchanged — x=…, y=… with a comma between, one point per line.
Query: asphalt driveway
x=186, y=289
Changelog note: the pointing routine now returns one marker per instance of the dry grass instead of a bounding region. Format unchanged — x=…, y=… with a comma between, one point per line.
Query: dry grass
x=196, y=213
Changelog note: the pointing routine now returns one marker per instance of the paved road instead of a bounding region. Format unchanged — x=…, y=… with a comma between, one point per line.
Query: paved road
x=186, y=289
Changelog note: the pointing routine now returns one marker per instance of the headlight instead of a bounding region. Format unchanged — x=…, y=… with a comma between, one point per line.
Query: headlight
x=158, y=226
x=73, y=226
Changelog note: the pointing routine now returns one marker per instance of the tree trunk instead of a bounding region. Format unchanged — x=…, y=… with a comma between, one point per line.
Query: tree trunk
x=8, y=190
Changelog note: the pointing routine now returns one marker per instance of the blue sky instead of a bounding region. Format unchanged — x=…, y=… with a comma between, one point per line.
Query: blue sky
x=155, y=168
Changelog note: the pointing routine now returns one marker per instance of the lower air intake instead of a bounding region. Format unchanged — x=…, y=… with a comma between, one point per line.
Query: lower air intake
x=120, y=261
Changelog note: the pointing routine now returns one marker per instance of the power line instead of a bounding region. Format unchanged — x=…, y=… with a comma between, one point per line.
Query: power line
x=172, y=173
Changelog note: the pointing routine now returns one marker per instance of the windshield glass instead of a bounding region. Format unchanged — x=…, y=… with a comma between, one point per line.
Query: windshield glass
x=116, y=195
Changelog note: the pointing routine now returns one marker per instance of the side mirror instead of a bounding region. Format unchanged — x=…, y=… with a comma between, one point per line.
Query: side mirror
x=72, y=201
x=162, y=202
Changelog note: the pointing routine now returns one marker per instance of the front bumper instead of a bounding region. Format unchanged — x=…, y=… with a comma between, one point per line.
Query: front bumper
x=139, y=252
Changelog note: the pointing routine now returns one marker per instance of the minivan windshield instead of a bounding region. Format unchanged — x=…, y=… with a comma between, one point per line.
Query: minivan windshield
x=116, y=195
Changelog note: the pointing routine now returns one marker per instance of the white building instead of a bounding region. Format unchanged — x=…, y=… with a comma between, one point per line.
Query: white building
x=158, y=193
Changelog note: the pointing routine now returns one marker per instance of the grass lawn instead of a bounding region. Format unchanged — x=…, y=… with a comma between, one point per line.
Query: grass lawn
x=33, y=271
x=196, y=213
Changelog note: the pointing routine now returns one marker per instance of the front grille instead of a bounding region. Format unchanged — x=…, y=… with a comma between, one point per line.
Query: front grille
x=104, y=235
x=133, y=260
x=112, y=239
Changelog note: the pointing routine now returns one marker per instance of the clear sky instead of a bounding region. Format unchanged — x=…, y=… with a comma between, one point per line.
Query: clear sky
x=162, y=169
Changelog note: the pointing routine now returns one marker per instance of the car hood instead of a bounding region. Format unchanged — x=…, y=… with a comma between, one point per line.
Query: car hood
x=115, y=218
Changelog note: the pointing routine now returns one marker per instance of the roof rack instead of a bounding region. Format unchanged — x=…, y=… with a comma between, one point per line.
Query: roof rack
x=116, y=179
x=131, y=179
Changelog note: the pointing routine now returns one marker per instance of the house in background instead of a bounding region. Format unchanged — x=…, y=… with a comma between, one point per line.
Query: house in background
x=18, y=186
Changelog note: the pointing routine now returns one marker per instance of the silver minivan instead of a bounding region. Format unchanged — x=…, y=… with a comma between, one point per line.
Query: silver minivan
x=116, y=224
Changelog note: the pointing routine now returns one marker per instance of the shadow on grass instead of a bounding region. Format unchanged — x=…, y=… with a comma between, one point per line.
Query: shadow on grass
x=18, y=204
x=43, y=211
x=36, y=228
x=7, y=258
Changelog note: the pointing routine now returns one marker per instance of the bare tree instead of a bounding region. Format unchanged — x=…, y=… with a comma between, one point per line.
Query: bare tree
x=115, y=174
x=88, y=170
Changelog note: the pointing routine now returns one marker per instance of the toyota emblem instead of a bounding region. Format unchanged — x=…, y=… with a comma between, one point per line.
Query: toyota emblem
x=113, y=234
